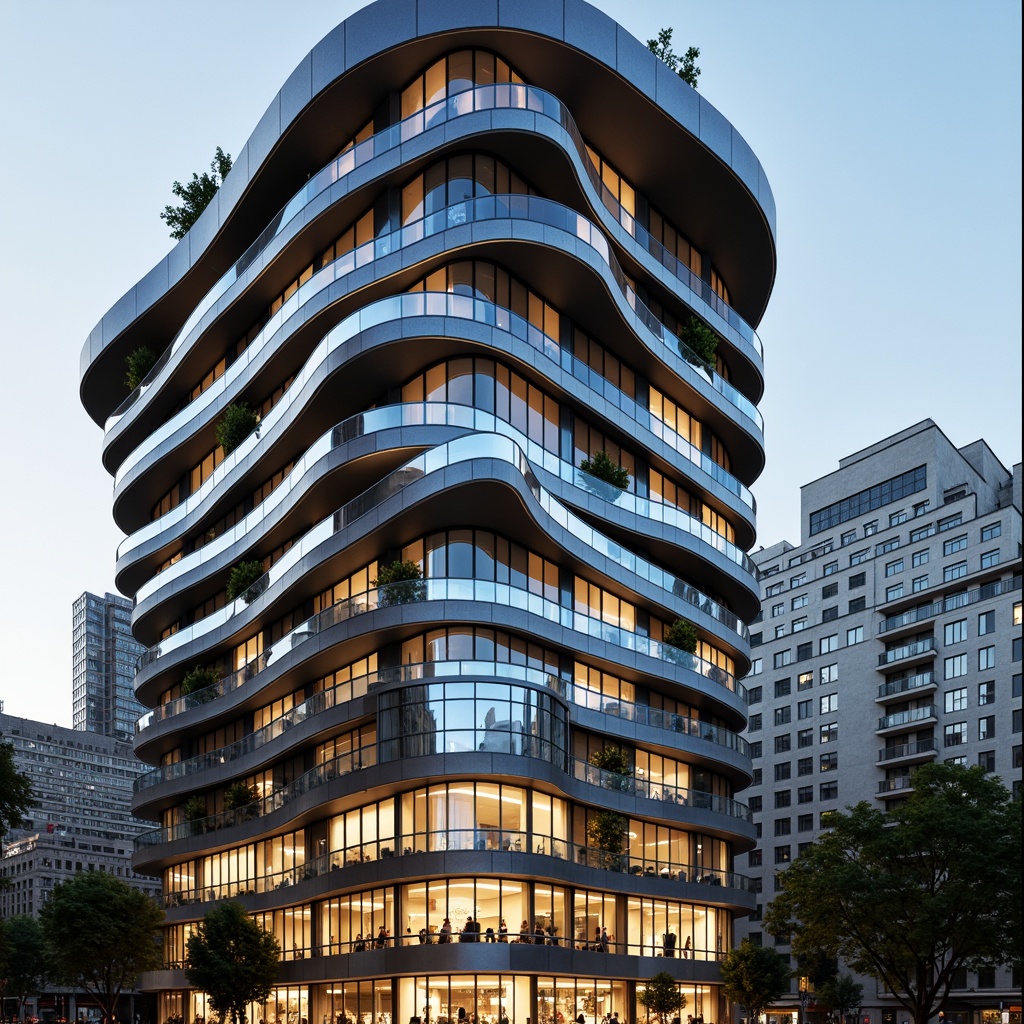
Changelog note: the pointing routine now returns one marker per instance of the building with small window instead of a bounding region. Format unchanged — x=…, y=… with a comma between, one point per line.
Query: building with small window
x=104, y=658
x=444, y=635
x=897, y=642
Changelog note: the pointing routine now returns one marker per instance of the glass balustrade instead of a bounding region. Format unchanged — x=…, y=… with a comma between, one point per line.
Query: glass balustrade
x=366, y=757
x=449, y=841
x=504, y=96
x=442, y=414
x=629, y=711
x=401, y=308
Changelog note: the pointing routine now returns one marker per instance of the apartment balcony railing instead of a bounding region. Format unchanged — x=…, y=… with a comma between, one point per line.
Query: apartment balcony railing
x=415, y=845
x=916, y=649
x=366, y=757
x=490, y=97
x=584, y=771
x=912, y=749
x=411, y=414
x=894, y=687
x=470, y=447
x=911, y=717
x=341, y=693
x=898, y=785
x=949, y=603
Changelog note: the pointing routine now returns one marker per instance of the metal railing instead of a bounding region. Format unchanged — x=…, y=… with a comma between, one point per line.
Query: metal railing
x=911, y=650
x=949, y=603
x=416, y=844
x=914, y=682
x=907, y=717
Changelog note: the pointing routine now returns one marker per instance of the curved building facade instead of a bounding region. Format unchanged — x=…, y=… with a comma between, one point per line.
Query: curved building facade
x=422, y=690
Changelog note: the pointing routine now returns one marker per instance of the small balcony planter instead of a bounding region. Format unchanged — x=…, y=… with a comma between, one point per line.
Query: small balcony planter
x=401, y=582
x=237, y=423
x=606, y=836
x=681, y=637
x=601, y=466
x=137, y=364
x=614, y=765
x=243, y=800
x=198, y=684
x=195, y=813
x=246, y=580
x=698, y=343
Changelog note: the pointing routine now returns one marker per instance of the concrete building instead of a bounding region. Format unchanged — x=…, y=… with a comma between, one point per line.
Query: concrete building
x=889, y=637
x=104, y=658
x=80, y=821
x=470, y=247
x=81, y=783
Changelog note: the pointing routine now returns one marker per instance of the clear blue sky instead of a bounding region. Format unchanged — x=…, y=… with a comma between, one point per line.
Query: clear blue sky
x=890, y=132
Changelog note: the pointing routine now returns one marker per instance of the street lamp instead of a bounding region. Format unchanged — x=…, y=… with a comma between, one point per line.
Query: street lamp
x=804, y=996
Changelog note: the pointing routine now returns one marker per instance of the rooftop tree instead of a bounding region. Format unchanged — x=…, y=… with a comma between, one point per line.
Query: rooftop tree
x=196, y=195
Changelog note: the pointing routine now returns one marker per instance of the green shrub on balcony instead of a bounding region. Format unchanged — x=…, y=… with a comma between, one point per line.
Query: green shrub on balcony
x=614, y=761
x=697, y=339
x=241, y=797
x=606, y=837
x=237, y=423
x=198, y=684
x=600, y=464
x=137, y=365
x=242, y=580
x=682, y=634
x=195, y=813
x=399, y=583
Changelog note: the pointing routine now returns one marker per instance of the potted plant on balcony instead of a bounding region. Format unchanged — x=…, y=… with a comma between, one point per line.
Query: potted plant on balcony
x=399, y=583
x=615, y=762
x=601, y=466
x=243, y=578
x=698, y=343
x=194, y=812
x=682, y=636
x=606, y=836
x=244, y=799
x=237, y=423
x=198, y=684
x=137, y=364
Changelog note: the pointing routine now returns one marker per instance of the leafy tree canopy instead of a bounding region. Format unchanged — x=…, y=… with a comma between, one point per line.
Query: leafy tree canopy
x=15, y=791
x=23, y=963
x=685, y=66
x=196, y=195
x=662, y=997
x=913, y=895
x=233, y=960
x=840, y=996
x=754, y=976
x=100, y=935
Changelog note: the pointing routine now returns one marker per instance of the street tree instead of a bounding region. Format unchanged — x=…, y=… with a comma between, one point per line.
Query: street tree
x=840, y=996
x=685, y=66
x=15, y=791
x=100, y=935
x=233, y=960
x=913, y=895
x=196, y=195
x=662, y=997
x=24, y=967
x=754, y=977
